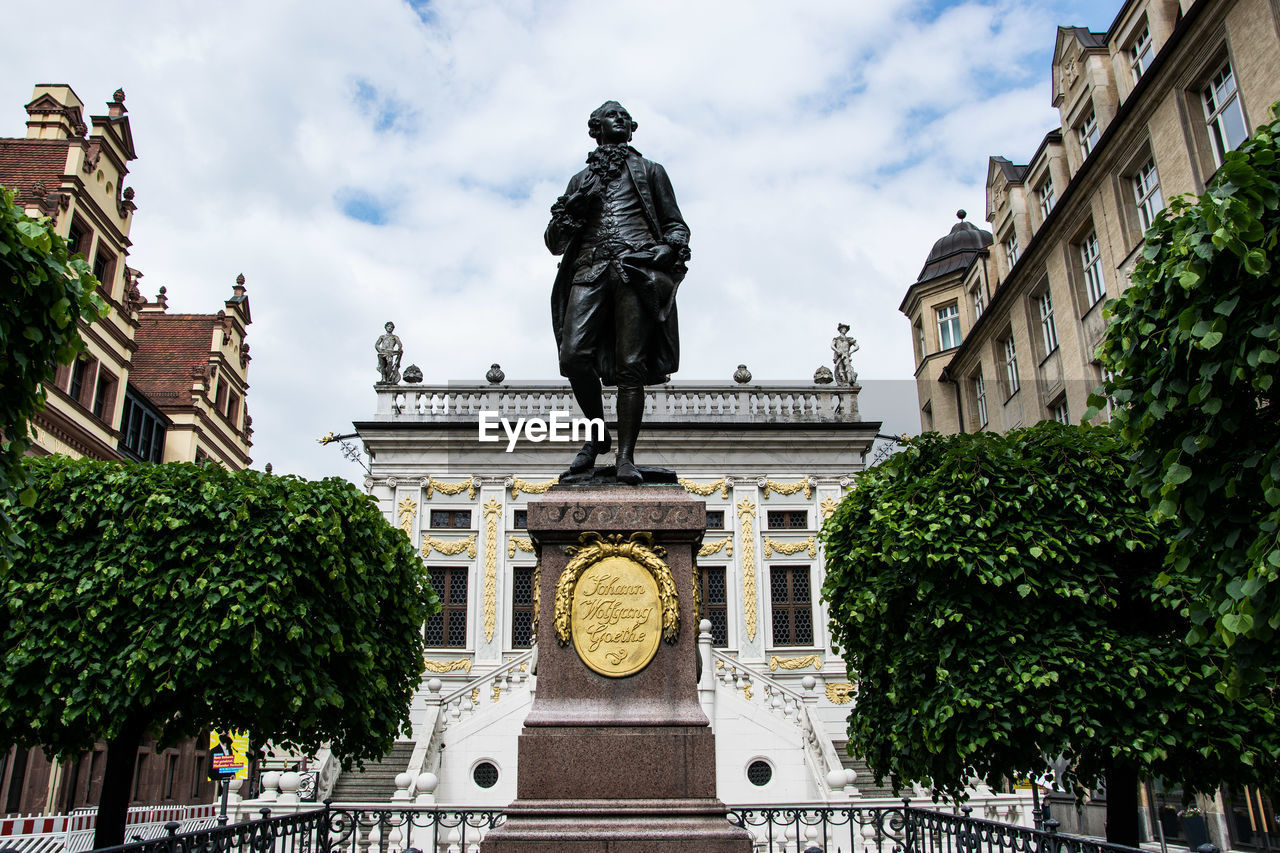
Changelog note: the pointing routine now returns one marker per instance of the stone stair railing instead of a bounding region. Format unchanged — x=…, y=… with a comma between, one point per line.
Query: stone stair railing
x=775, y=402
x=443, y=710
x=724, y=672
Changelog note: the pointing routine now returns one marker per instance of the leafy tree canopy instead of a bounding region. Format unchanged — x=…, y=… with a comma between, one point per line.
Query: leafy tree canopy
x=1194, y=346
x=994, y=599
x=174, y=598
x=44, y=290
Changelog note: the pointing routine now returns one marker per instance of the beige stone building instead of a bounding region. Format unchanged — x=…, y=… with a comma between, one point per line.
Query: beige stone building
x=152, y=386
x=1005, y=322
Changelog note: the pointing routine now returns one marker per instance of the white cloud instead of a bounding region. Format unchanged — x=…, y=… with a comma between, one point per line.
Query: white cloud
x=817, y=149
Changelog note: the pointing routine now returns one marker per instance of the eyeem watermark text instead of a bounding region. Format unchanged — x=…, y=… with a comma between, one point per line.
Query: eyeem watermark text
x=558, y=426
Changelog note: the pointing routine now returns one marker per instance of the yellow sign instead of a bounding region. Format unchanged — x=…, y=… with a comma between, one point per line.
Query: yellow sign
x=617, y=617
x=228, y=755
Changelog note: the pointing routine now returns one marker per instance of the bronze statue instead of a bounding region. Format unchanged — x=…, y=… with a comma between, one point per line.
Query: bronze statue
x=613, y=306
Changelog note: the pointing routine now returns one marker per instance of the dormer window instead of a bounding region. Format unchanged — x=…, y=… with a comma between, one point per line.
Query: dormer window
x=1087, y=132
x=1141, y=53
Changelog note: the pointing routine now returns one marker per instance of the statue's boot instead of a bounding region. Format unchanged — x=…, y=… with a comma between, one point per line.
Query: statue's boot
x=586, y=390
x=630, y=412
x=586, y=458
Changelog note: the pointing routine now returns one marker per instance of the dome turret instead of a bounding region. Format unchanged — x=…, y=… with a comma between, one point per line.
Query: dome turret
x=956, y=250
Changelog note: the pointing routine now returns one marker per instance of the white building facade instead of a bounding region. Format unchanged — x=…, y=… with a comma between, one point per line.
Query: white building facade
x=770, y=460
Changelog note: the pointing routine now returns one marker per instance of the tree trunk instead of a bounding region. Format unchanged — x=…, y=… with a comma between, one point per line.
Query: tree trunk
x=117, y=784
x=1122, y=806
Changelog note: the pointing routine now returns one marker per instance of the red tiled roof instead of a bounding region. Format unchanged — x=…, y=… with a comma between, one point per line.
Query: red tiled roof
x=24, y=162
x=169, y=346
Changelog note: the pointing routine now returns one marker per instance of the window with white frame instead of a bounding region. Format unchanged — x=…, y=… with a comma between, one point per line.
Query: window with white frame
x=1141, y=53
x=1010, y=365
x=1091, y=264
x=1146, y=192
x=1058, y=411
x=979, y=301
x=1087, y=132
x=1046, y=197
x=1106, y=376
x=949, y=326
x=1047, y=328
x=1223, y=114
x=1011, y=249
x=980, y=392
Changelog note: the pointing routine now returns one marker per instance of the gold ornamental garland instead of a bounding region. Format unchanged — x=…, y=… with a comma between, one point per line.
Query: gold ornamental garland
x=449, y=549
x=517, y=486
x=771, y=545
x=705, y=489
x=709, y=548
x=841, y=692
x=463, y=664
x=407, y=509
x=776, y=663
x=788, y=488
x=492, y=512
x=746, y=517
x=593, y=548
x=469, y=485
x=520, y=542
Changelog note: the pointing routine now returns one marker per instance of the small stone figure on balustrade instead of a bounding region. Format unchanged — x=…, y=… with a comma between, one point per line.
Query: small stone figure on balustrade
x=842, y=348
x=389, y=352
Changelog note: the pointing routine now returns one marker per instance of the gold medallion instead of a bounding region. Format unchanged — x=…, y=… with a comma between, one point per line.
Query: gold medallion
x=617, y=616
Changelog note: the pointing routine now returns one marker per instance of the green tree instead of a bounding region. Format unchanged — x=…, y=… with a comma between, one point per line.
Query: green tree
x=994, y=599
x=44, y=291
x=1194, y=346
x=176, y=598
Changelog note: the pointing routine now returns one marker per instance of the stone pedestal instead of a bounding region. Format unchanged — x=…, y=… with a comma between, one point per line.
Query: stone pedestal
x=617, y=764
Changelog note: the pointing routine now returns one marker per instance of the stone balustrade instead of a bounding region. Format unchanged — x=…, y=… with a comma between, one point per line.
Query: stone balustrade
x=680, y=402
x=729, y=674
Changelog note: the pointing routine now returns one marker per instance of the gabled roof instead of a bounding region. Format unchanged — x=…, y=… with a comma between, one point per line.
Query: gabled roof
x=26, y=162
x=173, y=350
x=1012, y=172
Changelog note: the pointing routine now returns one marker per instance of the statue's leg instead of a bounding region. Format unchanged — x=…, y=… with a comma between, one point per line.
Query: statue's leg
x=632, y=327
x=630, y=413
x=586, y=389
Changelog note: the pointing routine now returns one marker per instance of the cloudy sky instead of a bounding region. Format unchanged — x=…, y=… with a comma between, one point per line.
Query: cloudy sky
x=392, y=160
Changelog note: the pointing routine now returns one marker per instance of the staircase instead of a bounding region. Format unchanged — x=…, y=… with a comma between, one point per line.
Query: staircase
x=377, y=782
x=865, y=783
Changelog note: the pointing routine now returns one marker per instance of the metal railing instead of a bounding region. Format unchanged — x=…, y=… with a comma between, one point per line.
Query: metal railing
x=946, y=832
x=774, y=829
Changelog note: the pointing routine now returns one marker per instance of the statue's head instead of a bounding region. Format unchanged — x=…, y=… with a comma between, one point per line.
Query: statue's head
x=842, y=328
x=611, y=124
x=390, y=327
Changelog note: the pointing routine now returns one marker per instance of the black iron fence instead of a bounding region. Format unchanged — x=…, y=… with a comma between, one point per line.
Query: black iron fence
x=775, y=829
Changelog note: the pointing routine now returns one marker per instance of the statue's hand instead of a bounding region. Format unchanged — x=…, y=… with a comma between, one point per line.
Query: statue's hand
x=664, y=257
